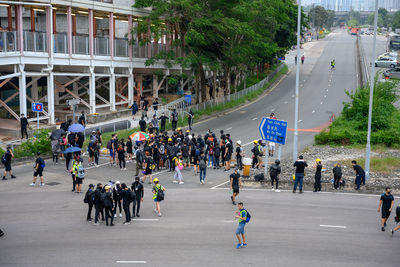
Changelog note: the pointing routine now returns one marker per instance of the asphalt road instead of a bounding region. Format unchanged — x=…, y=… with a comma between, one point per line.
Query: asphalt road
x=381, y=47
x=46, y=226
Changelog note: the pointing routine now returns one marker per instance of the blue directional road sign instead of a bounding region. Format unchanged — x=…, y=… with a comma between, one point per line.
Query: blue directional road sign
x=37, y=107
x=273, y=130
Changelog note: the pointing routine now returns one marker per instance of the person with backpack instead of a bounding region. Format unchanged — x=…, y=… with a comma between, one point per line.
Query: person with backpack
x=386, y=203
x=139, y=160
x=210, y=154
x=177, y=160
x=243, y=217
x=174, y=117
x=148, y=167
x=38, y=170
x=126, y=201
x=274, y=172
x=82, y=119
x=98, y=204
x=202, y=167
x=337, y=176
x=217, y=154
x=239, y=154
x=138, y=189
x=260, y=155
x=235, y=183
x=117, y=197
x=55, y=150
x=90, y=200
x=106, y=198
x=317, y=177
x=158, y=196
x=135, y=108
x=142, y=124
x=80, y=175
x=6, y=160
x=397, y=220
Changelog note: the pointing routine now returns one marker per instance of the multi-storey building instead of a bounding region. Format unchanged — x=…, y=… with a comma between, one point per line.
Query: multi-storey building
x=54, y=50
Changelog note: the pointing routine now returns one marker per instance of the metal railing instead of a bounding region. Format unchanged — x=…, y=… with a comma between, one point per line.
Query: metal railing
x=121, y=47
x=8, y=41
x=35, y=41
x=101, y=46
x=60, y=43
x=80, y=44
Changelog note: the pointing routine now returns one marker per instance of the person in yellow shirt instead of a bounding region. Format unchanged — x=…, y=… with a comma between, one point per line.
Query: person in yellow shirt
x=158, y=195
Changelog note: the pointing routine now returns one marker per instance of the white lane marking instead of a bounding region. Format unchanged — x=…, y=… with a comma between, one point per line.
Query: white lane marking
x=247, y=144
x=229, y=221
x=254, y=119
x=329, y=85
x=322, y=102
x=228, y=129
x=273, y=110
x=324, y=96
x=132, y=262
x=216, y=187
x=103, y=164
x=333, y=226
x=313, y=111
x=355, y=194
x=327, y=90
x=285, y=102
x=146, y=220
x=300, y=120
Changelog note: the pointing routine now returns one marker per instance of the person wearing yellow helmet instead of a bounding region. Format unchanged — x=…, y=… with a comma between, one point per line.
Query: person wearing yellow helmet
x=158, y=195
x=108, y=205
x=317, y=178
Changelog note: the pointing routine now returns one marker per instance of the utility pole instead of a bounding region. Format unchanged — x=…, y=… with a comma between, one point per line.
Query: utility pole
x=296, y=110
x=371, y=96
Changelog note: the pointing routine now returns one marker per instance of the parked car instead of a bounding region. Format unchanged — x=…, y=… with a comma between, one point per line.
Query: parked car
x=392, y=73
x=388, y=54
x=386, y=62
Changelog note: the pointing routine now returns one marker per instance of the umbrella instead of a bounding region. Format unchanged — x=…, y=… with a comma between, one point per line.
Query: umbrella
x=56, y=134
x=139, y=136
x=76, y=128
x=72, y=149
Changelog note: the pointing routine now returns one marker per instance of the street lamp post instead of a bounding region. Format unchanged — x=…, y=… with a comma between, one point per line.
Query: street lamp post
x=296, y=112
x=371, y=95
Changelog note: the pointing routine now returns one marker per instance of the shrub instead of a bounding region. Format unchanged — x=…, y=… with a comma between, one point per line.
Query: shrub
x=39, y=143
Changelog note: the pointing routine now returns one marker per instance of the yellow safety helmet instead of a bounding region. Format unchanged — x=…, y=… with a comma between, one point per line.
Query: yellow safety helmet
x=255, y=141
x=107, y=187
x=155, y=180
x=169, y=139
x=179, y=129
x=188, y=131
x=318, y=160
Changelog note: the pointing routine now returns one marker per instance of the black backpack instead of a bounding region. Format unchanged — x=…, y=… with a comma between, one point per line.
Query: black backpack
x=397, y=218
x=132, y=196
x=160, y=193
x=4, y=159
x=109, y=144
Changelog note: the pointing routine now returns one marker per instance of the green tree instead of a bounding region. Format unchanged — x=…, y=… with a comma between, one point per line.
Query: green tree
x=371, y=19
x=383, y=13
x=396, y=20
x=318, y=17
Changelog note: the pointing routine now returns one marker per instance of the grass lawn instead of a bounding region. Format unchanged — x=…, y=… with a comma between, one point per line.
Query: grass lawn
x=382, y=165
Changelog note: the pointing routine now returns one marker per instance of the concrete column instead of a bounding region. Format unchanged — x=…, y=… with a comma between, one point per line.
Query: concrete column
x=69, y=30
x=19, y=23
x=112, y=89
x=50, y=97
x=75, y=88
x=91, y=33
x=155, y=86
x=131, y=85
x=111, y=34
x=22, y=90
x=92, y=91
x=130, y=37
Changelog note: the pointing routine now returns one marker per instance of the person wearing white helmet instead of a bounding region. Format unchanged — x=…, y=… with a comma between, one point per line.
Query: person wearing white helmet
x=239, y=154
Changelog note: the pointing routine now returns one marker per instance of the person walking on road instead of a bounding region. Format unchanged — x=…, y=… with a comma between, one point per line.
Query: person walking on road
x=126, y=201
x=98, y=204
x=202, y=167
x=300, y=165
x=295, y=59
x=148, y=168
x=74, y=171
x=337, y=175
x=274, y=172
x=177, y=161
x=38, y=170
x=90, y=200
x=24, y=125
x=360, y=174
x=108, y=205
x=235, y=183
x=302, y=59
x=80, y=175
x=242, y=218
x=6, y=160
x=239, y=154
x=158, y=196
x=397, y=220
x=317, y=177
x=137, y=187
x=386, y=205
x=139, y=161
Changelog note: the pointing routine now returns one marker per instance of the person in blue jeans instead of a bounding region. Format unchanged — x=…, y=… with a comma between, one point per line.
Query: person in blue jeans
x=300, y=165
x=360, y=174
x=202, y=167
x=241, y=216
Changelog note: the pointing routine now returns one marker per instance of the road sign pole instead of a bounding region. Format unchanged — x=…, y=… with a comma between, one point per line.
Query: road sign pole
x=266, y=163
x=279, y=152
x=73, y=113
x=371, y=96
x=296, y=112
x=37, y=113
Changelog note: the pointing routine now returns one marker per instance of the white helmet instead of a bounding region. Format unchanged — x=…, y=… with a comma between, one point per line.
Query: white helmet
x=239, y=142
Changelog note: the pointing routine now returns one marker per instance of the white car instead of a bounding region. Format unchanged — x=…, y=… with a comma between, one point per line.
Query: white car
x=388, y=54
x=386, y=62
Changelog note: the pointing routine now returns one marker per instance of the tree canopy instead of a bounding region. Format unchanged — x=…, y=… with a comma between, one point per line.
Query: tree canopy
x=230, y=36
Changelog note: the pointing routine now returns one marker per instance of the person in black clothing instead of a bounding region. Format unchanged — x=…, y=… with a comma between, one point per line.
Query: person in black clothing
x=386, y=203
x=39, y=166
x=190, y=119
x=337, y=175
x=145, y=108
x=126, y=200
x=317, y=177
x=239, y=154
x=163, y=120
x=117, y=197
x=274, y=172
x=98, y=204
x=24, y=124
x=82, y=119
x=137, y=187
x=90, y=200
x=108, y=205
x=360, y=174
x=142, y=124
x=300, y=165
x=6, y=160
x=129, y=148
x=155, y=106
x=174, y=117
x=121, y=157
x=217, y=154
x=235, y=183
